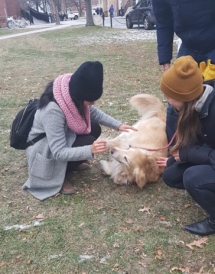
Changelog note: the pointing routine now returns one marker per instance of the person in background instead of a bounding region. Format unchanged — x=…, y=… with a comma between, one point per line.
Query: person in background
x=72, y=125
x=97, y=10
x=192, y=164
x=193, y=21
x=101, y=12
x=111, y=10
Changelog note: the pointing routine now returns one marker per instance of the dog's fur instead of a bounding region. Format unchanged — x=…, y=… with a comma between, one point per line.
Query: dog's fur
x=129, y=163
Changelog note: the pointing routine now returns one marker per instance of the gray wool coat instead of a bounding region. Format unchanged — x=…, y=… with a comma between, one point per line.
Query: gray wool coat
x=47, y=159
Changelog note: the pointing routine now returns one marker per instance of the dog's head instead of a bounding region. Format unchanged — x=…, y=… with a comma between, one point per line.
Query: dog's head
x=139, y=165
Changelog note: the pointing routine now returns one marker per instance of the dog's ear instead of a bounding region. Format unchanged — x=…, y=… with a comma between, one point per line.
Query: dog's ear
x=151, y=169
x=139, y=177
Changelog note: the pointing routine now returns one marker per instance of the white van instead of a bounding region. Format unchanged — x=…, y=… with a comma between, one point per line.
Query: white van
x=72, y=15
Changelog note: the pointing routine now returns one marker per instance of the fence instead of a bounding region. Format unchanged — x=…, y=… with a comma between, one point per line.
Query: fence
x=100, y=20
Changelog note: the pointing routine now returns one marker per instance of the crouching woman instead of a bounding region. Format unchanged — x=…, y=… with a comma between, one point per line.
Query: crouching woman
x=72, y=126
x=192, y=165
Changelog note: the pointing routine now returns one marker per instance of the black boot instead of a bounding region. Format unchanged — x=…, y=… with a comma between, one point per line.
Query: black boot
x=202, y=228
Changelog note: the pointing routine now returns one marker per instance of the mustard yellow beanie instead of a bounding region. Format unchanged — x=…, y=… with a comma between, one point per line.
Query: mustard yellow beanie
x=183, y=81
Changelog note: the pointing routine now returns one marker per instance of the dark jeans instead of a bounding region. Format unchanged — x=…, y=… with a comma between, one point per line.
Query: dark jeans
x=84, y=140
x=172, y=116
x=198, y=56
x=199, y=181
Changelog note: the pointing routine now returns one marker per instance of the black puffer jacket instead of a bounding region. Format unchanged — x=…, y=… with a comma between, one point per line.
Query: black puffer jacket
x=192, y=20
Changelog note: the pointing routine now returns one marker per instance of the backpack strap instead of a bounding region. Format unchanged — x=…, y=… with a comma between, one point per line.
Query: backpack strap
x=33, y=141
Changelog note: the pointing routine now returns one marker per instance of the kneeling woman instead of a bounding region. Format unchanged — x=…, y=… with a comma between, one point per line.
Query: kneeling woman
x=72, y=125
x=192, y=166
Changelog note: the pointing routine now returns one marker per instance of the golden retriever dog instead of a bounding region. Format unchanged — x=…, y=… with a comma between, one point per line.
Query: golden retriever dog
x=134, y=153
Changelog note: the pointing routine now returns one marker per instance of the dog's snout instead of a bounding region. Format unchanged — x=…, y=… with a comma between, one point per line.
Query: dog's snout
x=112, y=150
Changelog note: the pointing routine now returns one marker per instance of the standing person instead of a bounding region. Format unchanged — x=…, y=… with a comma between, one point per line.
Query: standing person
x=97, y=10
x=101, y=13
x=111, y=10
x=194, y=22
x=72, y=126
x=192, y=165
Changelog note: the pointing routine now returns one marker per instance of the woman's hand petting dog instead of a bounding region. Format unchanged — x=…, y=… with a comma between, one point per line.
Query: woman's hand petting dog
x=175, y=154
x=99, y=146
x=126, y=128
x=161, y=161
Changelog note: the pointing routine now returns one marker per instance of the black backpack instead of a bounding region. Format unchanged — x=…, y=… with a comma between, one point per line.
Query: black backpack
x=22, y=124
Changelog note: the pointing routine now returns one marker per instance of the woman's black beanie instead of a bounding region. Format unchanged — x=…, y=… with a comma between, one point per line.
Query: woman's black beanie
x=86, y=82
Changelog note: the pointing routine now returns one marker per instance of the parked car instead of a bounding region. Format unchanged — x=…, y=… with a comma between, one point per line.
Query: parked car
x=143, y=14
x=72, y=15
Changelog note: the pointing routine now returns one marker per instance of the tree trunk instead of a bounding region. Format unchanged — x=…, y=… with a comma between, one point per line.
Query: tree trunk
x=57, y=5
x=57, y=15
x=89, y=16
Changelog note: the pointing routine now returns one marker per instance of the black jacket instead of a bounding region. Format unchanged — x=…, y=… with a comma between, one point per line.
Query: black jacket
x=192, y=20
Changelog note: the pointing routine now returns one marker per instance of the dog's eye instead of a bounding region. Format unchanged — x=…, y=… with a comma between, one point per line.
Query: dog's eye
x=125, y=158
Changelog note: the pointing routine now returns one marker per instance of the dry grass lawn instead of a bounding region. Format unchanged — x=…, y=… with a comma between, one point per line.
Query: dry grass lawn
x=104, y=228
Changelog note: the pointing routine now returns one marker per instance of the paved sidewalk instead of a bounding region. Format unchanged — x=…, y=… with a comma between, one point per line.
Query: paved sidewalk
x=46, y=27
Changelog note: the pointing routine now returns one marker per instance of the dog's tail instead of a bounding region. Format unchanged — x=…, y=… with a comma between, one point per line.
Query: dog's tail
x=147, y=105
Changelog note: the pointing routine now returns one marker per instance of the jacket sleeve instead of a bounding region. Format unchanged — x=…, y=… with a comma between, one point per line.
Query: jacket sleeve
x=165, y=30
x=103, y=119
x=171, y=160
x=198, y=155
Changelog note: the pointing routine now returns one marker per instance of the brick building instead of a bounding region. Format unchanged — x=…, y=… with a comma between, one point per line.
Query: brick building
x=8, y=8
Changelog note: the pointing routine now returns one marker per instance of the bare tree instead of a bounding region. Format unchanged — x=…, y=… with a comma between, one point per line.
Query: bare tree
x=79, y=4
x=57, y=4
x=39, y=5
x=89, y=16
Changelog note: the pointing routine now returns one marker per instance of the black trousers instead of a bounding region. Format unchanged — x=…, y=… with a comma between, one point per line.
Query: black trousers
x=199, y=181
x=84, y=140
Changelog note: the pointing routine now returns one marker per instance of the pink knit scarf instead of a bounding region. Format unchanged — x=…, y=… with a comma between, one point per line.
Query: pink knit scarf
x=73, y=119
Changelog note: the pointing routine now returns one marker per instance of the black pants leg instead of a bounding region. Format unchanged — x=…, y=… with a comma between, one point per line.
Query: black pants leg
x=84, y=140
x=199, y=181
x=173, y=175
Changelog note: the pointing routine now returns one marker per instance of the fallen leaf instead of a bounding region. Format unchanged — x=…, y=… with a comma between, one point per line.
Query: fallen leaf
x=139, y=228
x=159, y=254
x=2, y=264
x=187, y=205
x=129, y=221
x=123, y=228
x=162, y=218
x=136, y=249
x=116, y=244
x=145, y=209
x=143, y=256
x=183, y=270
x=142, y=264
x=39, y=216
x=198, y=243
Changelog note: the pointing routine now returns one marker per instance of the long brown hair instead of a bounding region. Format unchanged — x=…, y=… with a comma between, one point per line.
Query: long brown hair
x=189, y=126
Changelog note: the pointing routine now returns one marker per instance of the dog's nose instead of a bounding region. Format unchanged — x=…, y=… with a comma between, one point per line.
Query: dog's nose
x=112, y=150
